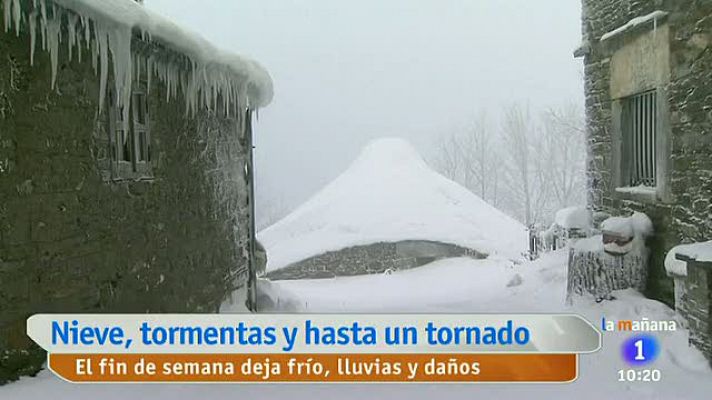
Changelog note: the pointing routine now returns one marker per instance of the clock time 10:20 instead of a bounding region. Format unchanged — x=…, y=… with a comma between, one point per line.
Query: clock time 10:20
x=639, y=375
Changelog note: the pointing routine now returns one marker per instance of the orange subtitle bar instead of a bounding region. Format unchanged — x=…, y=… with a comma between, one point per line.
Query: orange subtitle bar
x=315, y=367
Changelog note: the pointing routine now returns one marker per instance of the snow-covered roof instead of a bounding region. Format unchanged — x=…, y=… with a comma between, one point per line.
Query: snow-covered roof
x=108, y=26
x=390, y=194
x=652, y=17
x=701, y=252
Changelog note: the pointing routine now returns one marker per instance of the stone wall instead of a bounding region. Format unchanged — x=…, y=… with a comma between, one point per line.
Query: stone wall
x=685, y=215
x=72, y=240
x=697, y=300
x=371, y=259
x=591, y=270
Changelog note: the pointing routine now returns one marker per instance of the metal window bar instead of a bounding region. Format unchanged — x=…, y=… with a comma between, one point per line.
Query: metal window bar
x=640, y=133
x=140, y=125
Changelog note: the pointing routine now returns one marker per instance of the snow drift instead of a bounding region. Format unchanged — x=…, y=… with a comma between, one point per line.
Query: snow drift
x=390, y=194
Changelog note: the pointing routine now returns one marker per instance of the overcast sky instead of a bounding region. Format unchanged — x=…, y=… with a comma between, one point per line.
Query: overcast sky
x=346, y=72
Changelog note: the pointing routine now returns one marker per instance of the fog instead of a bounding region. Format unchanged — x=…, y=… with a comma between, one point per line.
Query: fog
x=346, y=72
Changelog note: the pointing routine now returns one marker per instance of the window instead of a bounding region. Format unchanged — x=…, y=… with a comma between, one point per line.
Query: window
x=140, y=127
x=130, y=140
x=122, y=148
x=639, y=128
x=639, y=88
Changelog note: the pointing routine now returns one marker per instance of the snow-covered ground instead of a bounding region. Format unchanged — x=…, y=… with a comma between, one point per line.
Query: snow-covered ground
x=456, y=285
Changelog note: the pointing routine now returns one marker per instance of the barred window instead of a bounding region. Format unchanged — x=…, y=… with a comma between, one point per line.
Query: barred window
x=639, y=131
x=130, y=139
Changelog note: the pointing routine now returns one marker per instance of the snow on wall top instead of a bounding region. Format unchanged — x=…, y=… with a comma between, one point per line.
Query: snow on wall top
x=701, y=252
x=106, y=28
x=390, y=194
x=653, y=16
x=637, y=225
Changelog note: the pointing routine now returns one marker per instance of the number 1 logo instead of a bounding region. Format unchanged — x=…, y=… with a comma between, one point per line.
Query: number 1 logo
x=640, y=350
x=640, y=354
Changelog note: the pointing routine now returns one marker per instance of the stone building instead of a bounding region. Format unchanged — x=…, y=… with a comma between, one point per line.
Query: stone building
x=388, y=211
x=125, y=166
x=648, y=84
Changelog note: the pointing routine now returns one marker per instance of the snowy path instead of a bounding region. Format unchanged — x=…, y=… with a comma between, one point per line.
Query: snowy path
x=456, y=286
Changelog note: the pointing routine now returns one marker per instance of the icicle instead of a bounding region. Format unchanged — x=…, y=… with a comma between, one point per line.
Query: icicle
x=87, y=31
x=71, y=33
x=120, y=46
x=149, y=74
x=169, y=82
x=95, y=55
x=53, y=36
x=43, y=23
x=655, y=27
x=17, y=16
x=7, y=14
x=204, y=84
x=32, y=22
x=101, y=47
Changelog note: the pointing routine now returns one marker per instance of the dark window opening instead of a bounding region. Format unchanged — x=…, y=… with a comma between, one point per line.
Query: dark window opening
x=139, y=104
x=639, y=132
x=125, y=142
x=130, y=141
x=142, y=149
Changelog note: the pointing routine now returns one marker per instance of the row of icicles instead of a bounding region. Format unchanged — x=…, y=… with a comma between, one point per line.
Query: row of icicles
x=203, y=86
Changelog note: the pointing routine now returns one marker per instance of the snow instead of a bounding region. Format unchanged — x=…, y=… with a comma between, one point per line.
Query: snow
x=106, y=27
x=640, y=189
x=456, y=286
x=653, y=16
x=390, y=194
x=595, y=244
x=591, y=244
x=701, y=251
x=466, y=285
x=637, y=225
x=673, y=266
x=573, y=218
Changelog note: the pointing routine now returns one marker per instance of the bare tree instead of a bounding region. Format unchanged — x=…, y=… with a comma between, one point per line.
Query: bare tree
x=469, y=157
x=529, y=168
x=517, y=133
x=447, y=159
x=475, y=153
x=565, y=148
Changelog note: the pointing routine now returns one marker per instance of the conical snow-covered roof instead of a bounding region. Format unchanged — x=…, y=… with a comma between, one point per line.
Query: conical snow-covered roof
x=389, y=194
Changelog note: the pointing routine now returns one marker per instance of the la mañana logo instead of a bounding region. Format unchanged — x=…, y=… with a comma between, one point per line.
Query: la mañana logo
x=642, y=325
